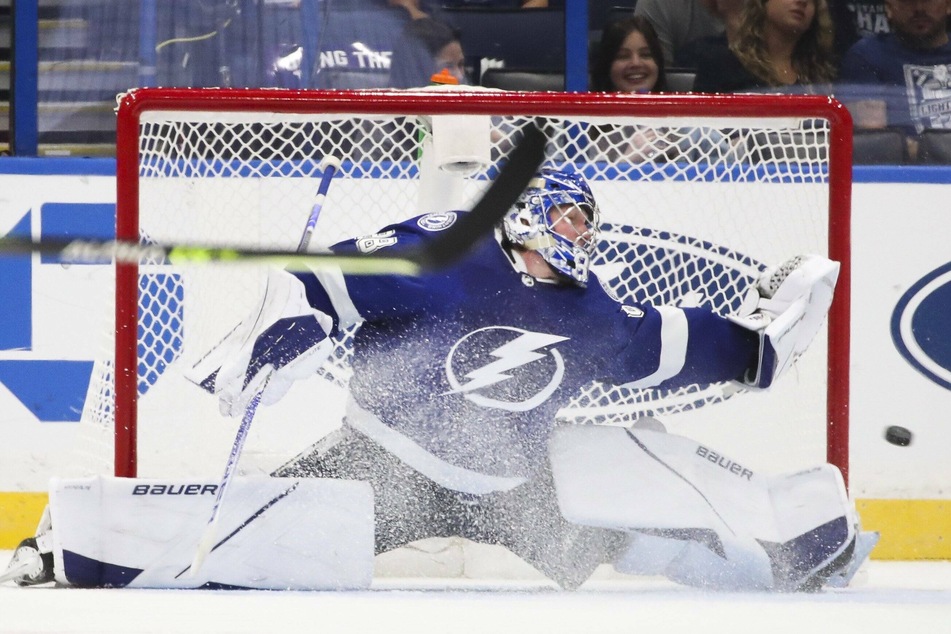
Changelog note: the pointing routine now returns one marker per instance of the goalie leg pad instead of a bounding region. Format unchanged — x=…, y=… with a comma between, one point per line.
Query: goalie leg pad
x=699, y=517
x=274, y=533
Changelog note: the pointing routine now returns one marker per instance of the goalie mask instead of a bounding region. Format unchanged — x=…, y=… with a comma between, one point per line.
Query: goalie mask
x=557, y=217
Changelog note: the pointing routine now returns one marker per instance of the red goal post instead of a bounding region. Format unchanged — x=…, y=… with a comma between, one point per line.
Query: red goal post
x=182, y=152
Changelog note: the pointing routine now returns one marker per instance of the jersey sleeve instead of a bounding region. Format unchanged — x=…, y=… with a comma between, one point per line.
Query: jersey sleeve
x=353, y=299
x=671, y=347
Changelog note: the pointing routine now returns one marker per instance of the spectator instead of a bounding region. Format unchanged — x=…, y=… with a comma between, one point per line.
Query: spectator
x=778, y=44
x=628, y=58
x=678, y=22
x=426, y=47
x=902, y=78
x=730, y=13
x=412, y=8
x=855, y=19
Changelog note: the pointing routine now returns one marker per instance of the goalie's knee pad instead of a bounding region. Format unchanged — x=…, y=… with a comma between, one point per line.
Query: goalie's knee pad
x=794, y=301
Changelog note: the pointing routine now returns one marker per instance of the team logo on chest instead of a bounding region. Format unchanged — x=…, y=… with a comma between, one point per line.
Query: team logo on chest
x=508, y=368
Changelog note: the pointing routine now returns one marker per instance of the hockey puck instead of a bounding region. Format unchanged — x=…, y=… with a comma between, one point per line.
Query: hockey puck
x=898, y=436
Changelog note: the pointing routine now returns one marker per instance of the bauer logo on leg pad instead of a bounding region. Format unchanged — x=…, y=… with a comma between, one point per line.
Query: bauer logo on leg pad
x=276, y=533
x=175, y=489
x=723, y=462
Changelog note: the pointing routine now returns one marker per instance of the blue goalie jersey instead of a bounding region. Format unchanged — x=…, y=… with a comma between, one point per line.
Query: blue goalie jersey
x=462, y=371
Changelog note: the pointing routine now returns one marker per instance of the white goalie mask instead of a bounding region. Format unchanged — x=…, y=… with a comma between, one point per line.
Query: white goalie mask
x=557, y=217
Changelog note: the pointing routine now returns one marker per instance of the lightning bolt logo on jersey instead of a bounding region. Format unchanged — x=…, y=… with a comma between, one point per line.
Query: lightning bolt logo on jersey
x=524, y=353
x=470, y=366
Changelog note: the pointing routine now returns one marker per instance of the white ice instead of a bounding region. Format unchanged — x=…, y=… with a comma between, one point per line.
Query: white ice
x=892, y=598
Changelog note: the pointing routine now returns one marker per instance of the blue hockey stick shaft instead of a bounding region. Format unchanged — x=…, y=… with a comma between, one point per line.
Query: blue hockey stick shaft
x=331, y=165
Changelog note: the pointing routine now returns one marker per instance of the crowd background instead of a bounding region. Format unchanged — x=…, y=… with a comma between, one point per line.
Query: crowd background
x=63, y=61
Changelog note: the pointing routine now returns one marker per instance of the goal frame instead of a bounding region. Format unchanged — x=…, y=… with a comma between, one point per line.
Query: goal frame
x=133, y=104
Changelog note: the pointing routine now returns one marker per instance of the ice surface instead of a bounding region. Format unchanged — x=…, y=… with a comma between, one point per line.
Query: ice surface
x=893, y=597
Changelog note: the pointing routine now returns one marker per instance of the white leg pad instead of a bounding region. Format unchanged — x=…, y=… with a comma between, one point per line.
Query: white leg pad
x=696, y=516
x=273, y=533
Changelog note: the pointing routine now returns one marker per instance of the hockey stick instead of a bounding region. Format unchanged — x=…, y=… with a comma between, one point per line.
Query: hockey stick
x=330, y=164
x=451, y=244
x=207, y=542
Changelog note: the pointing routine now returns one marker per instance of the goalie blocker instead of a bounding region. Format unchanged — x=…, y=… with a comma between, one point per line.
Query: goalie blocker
x=276, y=534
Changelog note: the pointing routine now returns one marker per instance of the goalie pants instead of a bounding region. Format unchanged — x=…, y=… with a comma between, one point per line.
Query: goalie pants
x=410, y=507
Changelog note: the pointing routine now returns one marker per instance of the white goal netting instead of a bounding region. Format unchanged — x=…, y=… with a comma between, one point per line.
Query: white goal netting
x=695, y=206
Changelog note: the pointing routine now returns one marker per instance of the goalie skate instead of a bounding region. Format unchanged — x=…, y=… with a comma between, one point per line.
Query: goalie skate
x=865, y=542
x=29, y=566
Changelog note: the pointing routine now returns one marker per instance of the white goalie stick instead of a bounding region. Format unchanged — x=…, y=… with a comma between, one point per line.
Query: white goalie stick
x=329, y=165
x=451, y=245
x=207, y=541
x=502, y=194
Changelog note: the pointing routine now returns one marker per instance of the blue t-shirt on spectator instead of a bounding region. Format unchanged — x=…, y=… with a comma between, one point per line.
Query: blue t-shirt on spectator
x=914, y=83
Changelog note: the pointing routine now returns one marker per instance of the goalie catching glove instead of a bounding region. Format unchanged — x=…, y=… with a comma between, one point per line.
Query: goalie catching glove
x=793, y=302
x=282, y=341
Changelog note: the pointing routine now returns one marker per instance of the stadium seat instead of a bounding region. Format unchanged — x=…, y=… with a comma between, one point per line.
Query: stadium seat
x=518, y=79
x=934, y=147
x=879, y=147
x=680, y=80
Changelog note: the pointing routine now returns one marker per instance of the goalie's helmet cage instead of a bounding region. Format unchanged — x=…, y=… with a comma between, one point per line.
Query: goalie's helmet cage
x=547, y=219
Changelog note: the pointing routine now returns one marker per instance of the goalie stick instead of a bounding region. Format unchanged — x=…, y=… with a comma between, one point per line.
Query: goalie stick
x=329, y=165
x=207, y=541
x=451, y=245
x=512, y=179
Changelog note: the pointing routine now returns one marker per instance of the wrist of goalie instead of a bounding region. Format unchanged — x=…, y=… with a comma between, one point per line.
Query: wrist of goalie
x=763, y=368
x=273, y=379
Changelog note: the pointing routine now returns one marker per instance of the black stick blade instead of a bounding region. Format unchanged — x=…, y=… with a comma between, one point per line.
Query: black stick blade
x=512, y=180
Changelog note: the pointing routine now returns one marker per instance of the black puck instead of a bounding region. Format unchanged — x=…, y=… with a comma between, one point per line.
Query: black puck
x=898, y=436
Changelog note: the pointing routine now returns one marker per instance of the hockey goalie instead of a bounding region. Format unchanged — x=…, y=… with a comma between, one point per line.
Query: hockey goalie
x=450, y=429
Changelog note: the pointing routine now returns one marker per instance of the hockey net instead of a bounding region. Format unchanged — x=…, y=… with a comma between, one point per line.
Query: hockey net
x=698, y=195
